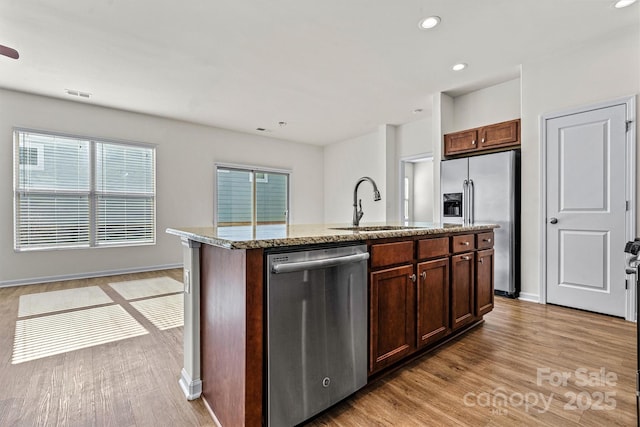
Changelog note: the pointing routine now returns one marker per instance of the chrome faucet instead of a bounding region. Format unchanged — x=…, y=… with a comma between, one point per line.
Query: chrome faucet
x=357, y=214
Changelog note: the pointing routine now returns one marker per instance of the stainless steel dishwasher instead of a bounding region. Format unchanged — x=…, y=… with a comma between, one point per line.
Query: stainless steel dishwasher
x=316, y=330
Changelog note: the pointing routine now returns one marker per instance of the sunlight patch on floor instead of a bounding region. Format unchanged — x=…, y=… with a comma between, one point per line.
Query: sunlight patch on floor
x=49, y=302
x=164, y=312
x=59, y=333
x=134, y=289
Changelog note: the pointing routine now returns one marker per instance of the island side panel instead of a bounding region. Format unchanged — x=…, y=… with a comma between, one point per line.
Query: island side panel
x=232, y=334
x=254, y=410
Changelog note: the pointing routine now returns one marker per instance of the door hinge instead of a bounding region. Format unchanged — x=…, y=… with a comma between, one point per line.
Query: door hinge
x=627, y=205
x=626, y=284
x=629, y=122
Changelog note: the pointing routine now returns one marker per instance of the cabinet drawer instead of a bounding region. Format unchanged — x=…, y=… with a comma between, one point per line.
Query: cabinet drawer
x=484, y=240
x=391, y=253
x=463, y=243
x=433, y=248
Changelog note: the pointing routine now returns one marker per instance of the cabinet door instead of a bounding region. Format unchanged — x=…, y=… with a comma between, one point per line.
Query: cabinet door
x=484, y=282
x=500, y=134
x=392, y=316
x=433, y=301
x=462, y=287
x=460, y=142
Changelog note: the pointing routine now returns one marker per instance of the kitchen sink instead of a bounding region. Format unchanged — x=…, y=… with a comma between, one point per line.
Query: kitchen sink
x=376, y=228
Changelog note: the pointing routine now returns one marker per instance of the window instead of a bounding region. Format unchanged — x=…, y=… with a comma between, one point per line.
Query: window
x=76, y=192
x=251, y=197
x=405, y=197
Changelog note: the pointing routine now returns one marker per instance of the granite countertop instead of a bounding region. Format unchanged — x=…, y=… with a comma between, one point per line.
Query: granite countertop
x=269, y=236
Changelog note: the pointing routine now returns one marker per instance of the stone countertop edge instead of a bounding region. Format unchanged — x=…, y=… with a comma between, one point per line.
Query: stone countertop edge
x=297, y=235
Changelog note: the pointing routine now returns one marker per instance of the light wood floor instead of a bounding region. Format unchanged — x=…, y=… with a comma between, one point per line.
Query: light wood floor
x=133, y=382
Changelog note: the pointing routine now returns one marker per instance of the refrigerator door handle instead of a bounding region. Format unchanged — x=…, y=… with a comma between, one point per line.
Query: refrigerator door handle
x=472, y=201
x=465, y=202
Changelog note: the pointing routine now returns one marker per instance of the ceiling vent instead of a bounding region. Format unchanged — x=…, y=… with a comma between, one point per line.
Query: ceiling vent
x=74, y=92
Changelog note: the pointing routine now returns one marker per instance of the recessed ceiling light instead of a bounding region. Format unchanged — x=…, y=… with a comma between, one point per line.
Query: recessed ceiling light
x=429, y=22
x=459, y=67
x=623, y=3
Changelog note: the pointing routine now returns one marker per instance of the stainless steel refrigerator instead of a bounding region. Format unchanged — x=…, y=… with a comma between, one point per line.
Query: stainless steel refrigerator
x=486, y=189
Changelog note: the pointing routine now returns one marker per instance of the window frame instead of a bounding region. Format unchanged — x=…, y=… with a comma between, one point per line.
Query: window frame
x=253, y=170
x=93, y=194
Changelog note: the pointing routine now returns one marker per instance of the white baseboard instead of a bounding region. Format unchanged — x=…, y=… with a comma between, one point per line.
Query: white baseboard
x=35, y=280
x=191, y=388
x=524, y=296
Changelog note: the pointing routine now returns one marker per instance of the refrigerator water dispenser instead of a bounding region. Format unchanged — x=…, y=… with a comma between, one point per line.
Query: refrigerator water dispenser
x=452, y=205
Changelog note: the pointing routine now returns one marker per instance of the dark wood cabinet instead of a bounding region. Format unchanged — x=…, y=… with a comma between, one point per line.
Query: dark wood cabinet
x=392, y=316
x=463, y=243
x=484, y=240
x=433, y=248
x=484, y=282
x=432, y=301
x=486, y=138
x=500, y=135
x=388, y=254
x=462, y=289
x=421, y=291
x=460, y=142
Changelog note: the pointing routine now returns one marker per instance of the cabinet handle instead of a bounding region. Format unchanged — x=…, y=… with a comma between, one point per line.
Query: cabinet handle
x=423, y=275
x=473, y=142
x=466, y=258
x=464, y=243
x=413, y=277
x=486, y=240
x=481, y=260
x=482, y=139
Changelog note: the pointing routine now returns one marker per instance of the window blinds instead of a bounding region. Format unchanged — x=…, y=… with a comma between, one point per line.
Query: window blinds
x=125, y=187
x=74, y=192
x=251, y=197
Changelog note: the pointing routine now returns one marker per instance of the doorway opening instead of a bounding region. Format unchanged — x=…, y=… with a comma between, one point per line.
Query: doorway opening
x=416, y=189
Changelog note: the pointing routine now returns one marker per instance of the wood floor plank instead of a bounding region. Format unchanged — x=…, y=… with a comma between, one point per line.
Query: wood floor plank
x=133, y=382
x=502, y=357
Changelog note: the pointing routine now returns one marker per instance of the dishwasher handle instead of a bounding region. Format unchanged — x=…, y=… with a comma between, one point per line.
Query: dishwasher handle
x=289, y=267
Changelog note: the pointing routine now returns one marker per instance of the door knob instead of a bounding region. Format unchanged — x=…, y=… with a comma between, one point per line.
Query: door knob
x=553, y=220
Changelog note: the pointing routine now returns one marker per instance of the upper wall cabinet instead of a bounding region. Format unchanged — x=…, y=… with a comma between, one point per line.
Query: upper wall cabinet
x=496, y=136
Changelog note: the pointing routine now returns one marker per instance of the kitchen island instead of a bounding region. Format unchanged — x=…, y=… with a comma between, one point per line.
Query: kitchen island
x=426, y=283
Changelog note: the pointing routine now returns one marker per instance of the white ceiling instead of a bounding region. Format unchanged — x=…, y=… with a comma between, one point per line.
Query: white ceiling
x=331, y=69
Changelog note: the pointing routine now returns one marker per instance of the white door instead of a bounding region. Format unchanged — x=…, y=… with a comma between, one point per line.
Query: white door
x=586, y=206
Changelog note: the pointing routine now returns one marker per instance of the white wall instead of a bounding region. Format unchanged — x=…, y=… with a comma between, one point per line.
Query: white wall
x=414, y=138
x=601, y=71
x=392, y=172
x=442, y=124
x=344, y=163
x=423, y=191
x=185, y=166
x=494, y=104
